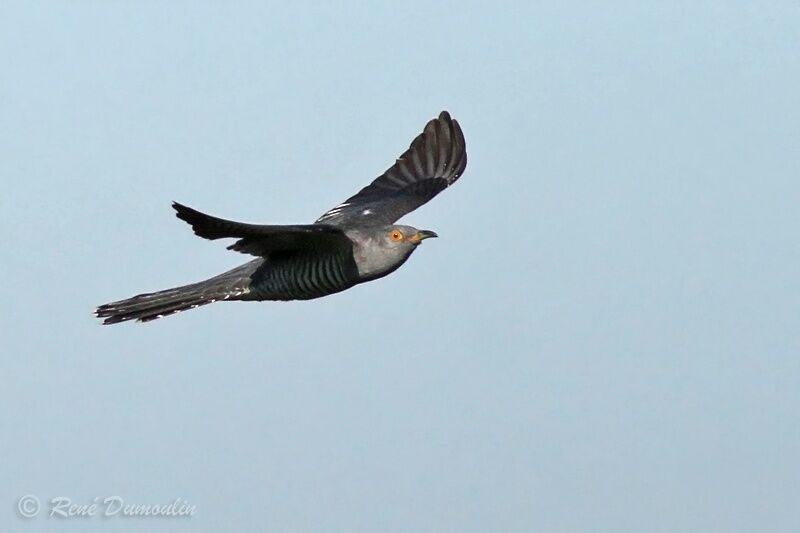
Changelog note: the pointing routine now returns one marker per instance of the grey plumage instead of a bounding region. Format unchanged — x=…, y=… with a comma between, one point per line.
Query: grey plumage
x=354, y=242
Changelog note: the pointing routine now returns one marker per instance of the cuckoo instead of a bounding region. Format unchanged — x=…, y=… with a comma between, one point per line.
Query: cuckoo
x=354, y=242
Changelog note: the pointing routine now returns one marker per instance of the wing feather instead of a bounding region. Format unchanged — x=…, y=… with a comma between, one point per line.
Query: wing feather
x=262, y=240
x=434, y=161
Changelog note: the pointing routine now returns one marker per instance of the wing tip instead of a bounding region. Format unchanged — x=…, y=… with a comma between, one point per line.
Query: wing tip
x=201, y=223
x=458, y=147
x=183, y=212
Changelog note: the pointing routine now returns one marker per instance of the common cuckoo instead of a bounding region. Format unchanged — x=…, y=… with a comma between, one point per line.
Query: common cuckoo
x=354, y=242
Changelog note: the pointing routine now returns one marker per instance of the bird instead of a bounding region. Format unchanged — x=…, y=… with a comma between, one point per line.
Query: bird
x=355, y=242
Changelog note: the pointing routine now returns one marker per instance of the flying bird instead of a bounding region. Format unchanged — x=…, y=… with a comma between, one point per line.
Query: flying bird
x=354, y=242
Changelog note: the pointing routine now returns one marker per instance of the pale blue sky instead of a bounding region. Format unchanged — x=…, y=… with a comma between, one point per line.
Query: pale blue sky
x=604, y=338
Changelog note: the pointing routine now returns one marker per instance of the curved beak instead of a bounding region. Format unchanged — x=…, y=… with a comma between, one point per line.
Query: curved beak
x=421, y=235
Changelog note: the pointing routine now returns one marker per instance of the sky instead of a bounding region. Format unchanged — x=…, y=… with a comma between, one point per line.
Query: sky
x=604, y=338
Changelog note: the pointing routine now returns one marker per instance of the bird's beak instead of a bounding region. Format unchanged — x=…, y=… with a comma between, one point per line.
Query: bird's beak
x=422, y=235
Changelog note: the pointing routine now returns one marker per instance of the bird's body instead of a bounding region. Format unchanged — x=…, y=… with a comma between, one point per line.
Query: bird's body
x=355, y=242
x=302, y=276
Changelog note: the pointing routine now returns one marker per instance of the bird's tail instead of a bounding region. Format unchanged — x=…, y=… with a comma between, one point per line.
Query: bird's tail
x=150, y=306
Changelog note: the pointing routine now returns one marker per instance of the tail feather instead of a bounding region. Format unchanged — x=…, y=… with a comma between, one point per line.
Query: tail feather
x=150, y=306
x=153, y=305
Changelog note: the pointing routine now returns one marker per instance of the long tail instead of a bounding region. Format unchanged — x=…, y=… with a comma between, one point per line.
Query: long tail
x=153, y=305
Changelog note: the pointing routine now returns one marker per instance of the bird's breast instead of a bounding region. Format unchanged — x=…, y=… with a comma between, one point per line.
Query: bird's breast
x=374, y=262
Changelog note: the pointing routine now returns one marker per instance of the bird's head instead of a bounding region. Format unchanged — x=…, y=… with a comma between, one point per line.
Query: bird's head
x=405, y=236
x=383, y=249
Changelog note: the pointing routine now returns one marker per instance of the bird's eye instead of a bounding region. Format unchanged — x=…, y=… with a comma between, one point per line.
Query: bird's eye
x=396, y=235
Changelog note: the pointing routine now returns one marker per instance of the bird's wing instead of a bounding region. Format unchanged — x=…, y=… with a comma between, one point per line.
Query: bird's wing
x=258, y=240
x=435, y=160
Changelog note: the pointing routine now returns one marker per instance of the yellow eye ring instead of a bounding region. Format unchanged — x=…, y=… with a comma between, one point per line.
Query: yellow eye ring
x=396, y=235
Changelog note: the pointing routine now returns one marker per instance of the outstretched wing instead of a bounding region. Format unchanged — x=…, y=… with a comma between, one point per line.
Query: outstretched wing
x=259, y=240
x=435, y=160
